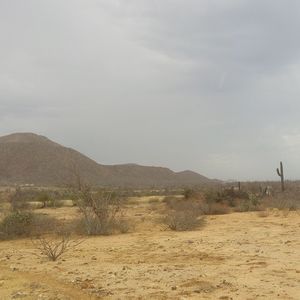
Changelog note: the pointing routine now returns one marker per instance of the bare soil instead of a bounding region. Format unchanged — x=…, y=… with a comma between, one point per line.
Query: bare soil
x=235, y=256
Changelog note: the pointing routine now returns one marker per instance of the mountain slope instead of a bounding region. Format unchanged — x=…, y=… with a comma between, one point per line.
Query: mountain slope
x=31, y=158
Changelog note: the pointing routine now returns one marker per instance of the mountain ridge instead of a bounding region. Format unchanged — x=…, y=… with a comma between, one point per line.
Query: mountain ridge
x=28, y=158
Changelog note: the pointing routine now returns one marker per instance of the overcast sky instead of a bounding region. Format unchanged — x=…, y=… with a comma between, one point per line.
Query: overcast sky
x=207, y=85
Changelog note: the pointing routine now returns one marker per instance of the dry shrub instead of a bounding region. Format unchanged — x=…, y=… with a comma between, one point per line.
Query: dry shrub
x=263, y=214
x=55, y=248
x=16, y=224
x=176, y=203
x=183, y=220
x=284, y=201
x=214, y=209
x=154, y=200
x=102, y=212
x=24, y=224
x=183, y=214
x=201, y=206
x=282, y=204
x=189, y=193
x=17, y=200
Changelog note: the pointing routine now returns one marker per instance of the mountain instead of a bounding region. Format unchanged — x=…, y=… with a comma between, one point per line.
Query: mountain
x=27, y=158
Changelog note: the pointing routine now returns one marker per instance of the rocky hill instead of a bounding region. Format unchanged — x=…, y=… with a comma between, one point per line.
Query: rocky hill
x=27, y=158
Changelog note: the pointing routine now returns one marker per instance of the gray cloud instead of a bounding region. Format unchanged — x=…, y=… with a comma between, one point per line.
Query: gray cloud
x=206, y=85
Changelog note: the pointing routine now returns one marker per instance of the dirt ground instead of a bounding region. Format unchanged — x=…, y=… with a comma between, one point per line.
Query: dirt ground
x=235, y=256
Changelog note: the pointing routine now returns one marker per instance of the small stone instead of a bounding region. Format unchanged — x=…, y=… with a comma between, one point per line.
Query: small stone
x=19, y=294
x=13, y=268
x=174, y=288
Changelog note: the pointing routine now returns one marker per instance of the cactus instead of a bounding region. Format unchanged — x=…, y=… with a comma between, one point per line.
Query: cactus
x=280, y=174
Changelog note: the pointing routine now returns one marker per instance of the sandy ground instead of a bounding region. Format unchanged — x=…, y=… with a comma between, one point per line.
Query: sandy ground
x=235, y=256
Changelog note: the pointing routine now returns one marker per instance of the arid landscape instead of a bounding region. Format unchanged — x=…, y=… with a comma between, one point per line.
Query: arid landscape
x=71, y=228
x=149, y=150
x=248, y=255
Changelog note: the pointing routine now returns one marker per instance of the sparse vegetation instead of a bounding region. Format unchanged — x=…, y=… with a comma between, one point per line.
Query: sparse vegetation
x=183, y=214
x=184, y=220
x=101, y=212
x=55, y=248
x=18, y=224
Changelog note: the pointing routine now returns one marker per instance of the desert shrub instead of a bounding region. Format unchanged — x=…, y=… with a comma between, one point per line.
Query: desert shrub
x=54, y=248
x=183, y=220
x=123, y=226
x=212, y=196
x=254, y=200
x=43, y=198
x=25, y=223
x=206, y=206
x=43, y=224
x=227, y=196
x=263, y=214
x=17, y=200
x=20, y=199
x=16, y=224
x=284, y=201
x=183, y=214
x=189, y=193
x=168, y=200
x=101, y=212
x=153, y=200
x=253, y=203
x=214, y=209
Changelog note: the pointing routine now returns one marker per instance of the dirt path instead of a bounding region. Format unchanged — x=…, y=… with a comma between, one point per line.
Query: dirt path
x=236, y=256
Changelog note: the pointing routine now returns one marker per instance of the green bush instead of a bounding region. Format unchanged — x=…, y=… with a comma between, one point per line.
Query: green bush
x=24, y=224
x=16, y=224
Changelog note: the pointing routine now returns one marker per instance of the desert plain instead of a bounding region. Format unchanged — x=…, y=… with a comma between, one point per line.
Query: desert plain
x=233, y=256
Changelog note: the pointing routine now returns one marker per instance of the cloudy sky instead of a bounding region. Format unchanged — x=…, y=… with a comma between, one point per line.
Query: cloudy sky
x=207, y=85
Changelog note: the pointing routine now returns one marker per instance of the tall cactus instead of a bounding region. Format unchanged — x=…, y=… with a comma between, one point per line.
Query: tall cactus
x=281, y=175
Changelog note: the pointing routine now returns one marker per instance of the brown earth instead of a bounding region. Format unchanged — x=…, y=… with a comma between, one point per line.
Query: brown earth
x=235, y=256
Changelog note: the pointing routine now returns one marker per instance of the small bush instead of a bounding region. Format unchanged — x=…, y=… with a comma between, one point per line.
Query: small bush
x=190, y=193
x=17, y=200
x=214, y=209
x=153, y=200
x=183, y=214
x=25, y=223
x=253, y=203
x=101, y=212
x=16, y=224
x=55, y=248
x=284, y=201
x=263, y=214
x=183, y=220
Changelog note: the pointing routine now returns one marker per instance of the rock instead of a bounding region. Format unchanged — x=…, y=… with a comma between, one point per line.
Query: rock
x=13, y=268
x=18, y=295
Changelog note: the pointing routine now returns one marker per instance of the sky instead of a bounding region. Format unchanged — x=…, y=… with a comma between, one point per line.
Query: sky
x=206, y=85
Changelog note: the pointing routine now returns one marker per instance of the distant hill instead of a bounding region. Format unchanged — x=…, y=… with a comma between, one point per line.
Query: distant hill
x=27, y=158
